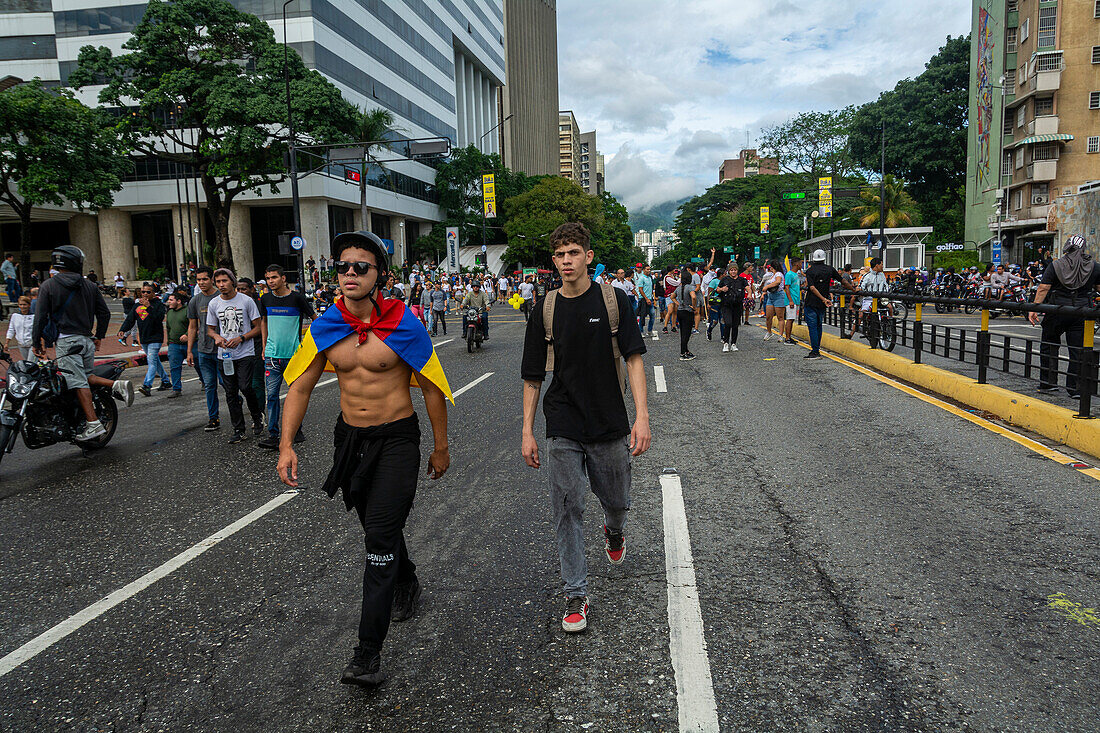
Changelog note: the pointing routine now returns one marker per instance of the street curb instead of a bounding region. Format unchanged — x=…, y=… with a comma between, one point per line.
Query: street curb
x=1051, y=421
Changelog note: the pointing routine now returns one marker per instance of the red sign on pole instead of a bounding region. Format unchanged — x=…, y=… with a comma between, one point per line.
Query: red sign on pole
x=352, y=175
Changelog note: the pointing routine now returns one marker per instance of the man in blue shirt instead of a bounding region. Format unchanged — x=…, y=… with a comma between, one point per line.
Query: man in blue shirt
x=794, y=284
x=11, y=277
x=643, y=290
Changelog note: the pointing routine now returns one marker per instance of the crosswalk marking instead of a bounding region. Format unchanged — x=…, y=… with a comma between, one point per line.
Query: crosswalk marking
x=659, y=378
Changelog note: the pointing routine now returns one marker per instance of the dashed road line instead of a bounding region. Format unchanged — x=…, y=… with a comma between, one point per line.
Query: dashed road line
x=659, y=378
x=694, y=685
x=472, y=384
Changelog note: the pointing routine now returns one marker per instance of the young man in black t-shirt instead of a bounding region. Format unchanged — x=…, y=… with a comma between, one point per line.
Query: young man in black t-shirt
x=590, y=439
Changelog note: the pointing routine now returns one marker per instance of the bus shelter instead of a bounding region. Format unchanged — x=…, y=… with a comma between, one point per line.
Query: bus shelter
x=904, y=247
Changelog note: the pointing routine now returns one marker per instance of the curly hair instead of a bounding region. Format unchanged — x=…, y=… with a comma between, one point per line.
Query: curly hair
x=571, y=232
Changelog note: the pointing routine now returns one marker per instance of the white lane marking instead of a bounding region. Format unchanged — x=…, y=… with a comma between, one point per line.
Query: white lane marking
x=659, y=378
x=192, y=379
x=48, y=638
x=694, y=686
x=322, y=383
x=474, y=383
x=440, y=343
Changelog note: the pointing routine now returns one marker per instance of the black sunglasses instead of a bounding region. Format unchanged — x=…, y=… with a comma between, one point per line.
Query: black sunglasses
x=361, y=268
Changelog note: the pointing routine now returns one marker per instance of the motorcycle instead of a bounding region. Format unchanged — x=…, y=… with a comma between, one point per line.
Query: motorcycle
x=37, y=403
x=472, y=327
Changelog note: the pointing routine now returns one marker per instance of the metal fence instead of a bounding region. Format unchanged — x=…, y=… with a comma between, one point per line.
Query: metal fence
x=1015, y=355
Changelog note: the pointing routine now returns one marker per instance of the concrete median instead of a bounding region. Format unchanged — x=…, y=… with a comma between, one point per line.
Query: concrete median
x=1054, y=422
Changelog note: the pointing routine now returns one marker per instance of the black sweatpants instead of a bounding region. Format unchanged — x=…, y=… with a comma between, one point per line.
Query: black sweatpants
x=377, y=468
x=1054, y=326
x=731, y=320
x=686, y=320
x=236, y=383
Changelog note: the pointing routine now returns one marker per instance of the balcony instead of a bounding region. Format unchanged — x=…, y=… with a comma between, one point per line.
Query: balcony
x=1043, y=125
x=1045, y=81
x=1036, y=212
x=1042, y=170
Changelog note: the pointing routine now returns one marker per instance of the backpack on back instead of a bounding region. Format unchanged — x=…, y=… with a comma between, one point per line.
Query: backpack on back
x=610, y=304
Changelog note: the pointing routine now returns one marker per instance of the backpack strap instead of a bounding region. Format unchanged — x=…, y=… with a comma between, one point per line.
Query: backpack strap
x=548, y=304
x=611, y=304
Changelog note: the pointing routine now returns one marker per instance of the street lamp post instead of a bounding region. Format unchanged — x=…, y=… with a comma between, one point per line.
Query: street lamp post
x=484, y=232
x=882, y=198
x=295, y=201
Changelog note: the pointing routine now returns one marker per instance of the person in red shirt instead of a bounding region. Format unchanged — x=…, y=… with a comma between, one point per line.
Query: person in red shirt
x=750, y=299
x=671, y=282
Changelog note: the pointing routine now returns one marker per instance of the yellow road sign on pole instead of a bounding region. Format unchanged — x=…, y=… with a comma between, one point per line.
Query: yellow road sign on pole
x=765, y=220
x=489, y=195
x=825, y=196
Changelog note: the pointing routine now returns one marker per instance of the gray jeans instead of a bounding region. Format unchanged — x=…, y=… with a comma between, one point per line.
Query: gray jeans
x=573, y=466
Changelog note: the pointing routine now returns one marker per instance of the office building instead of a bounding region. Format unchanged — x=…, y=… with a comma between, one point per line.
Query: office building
x=569, y=147
x=1033, y=143
x=591, y=165
x=531, y=92
x=437, y=65
x=748, y=163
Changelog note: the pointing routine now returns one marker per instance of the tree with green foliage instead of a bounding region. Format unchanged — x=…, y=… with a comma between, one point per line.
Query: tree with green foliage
x=54, y=150
x=370, y=126
x=813, y=143
x=202, y=86
x=900, y=209
x=458, y=182
x=926, y=120
x=553, y=201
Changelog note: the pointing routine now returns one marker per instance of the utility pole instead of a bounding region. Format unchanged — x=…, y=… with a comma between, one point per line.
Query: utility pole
x=882, y=198
x=295, y=201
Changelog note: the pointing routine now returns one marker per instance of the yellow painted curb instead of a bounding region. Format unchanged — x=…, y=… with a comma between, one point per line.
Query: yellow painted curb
x=1051, y=421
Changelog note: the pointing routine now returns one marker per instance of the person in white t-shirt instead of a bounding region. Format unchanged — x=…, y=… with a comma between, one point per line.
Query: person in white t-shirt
x=505, y=288
x=527, y=292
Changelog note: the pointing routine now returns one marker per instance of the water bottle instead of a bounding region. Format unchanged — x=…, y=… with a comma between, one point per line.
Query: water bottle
x=227, y=362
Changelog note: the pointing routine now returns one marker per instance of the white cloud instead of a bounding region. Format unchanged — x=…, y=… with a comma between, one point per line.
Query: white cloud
x=675, y=85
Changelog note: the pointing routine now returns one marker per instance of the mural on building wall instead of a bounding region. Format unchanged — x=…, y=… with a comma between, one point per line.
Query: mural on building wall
x=984, y=100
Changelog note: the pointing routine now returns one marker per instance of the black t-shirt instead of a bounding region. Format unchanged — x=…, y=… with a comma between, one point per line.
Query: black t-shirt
x=1061, y=295
x=819, y=275
x=584, y=401
x=736, y=293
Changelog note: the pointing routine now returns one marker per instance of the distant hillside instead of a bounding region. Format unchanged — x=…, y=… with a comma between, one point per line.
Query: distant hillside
x=661, y=216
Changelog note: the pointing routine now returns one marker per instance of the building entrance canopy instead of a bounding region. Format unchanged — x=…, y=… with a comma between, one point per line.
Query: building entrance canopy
x=904, y=247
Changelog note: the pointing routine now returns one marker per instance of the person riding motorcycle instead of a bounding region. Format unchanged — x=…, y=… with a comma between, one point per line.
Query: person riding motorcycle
x=478, y=300
x=71, y=303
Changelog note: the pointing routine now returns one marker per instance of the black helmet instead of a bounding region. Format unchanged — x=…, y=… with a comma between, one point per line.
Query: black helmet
x=368, y=241
x=68, y=257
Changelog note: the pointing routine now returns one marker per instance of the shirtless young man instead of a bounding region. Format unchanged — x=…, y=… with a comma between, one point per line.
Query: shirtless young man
x=377, y=455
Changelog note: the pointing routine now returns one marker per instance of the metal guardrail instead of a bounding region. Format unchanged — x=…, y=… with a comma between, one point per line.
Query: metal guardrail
x=1084, y=368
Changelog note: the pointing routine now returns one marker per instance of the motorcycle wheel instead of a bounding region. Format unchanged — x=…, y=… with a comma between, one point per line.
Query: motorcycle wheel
x=107, y=411
x=470, y=342
x=940, y=308
x=888, y=334
x=5, y=436
x=901, y=310
x=970, y=308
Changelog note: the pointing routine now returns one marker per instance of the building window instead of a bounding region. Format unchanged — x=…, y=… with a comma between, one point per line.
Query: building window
x=1096, y=54
x=1096, y=10
x=1021, y=115
x=1010, y=85
x=1094, y=100
x=1019, y=159
x=1048, y=21
x=1040, y=194
x=1006, y=165
x=1012, y=5
x=1094, y=144
x=1045, y=152
x=1050, y=61
x=1010, y=40
x=1025, y=29
x=1044, y=106
x=1021, y=75
x=1018, y=199
x=1007, y=125
x=15, y=48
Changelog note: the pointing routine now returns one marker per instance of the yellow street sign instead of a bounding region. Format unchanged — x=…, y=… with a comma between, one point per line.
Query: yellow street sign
x=765, y=220
x=825, y=196
x=826, y=182
x=489, y=195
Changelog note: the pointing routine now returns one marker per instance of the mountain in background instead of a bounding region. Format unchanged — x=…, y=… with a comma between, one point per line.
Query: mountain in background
x=661, y=216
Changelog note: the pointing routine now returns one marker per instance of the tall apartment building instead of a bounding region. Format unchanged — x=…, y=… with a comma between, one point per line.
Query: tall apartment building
x=569, y=147
x=1034, y=132
x=591, y=165
x=531, y=92
x=747, y=163
x=437, y=65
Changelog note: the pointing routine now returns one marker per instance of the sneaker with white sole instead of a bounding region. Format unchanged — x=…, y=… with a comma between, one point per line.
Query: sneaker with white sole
x=575, y=619
x=123, y=389
x=91, y=431
x=656, y=336
x=733, y=347
x=614, y=545
x=725, y=348
x=767, y=337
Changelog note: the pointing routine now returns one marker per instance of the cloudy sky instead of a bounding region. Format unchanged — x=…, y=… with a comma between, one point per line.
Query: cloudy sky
x=673, y=87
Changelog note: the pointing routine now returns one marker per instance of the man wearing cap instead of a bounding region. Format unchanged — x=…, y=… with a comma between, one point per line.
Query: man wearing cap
x=377, y=349
x=479, y=301
x=817, y=299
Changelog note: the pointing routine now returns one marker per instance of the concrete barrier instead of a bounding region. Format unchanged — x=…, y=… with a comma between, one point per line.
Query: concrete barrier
x=1030, y=413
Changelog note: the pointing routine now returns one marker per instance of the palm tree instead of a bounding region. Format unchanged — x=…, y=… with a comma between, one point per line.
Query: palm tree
x=900, y=208
x=371, y=127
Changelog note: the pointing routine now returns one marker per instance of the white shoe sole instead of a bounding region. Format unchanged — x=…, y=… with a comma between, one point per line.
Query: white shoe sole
x=82, y=438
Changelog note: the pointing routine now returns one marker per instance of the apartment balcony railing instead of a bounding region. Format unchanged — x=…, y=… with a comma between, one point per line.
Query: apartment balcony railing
x=1042, y=170
x=1043, y=125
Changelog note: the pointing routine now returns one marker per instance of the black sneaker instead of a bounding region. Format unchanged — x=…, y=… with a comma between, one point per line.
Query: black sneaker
x=270, y=442
x=364, y=669
x=258, y=428
x=237, y=436
x=164, y=387
x=813, y=355
x=300, y=437
x=1075, y=395
x=145, y=390
x=687, y=356
x=406, y=599
x=213, y=425
x=575, y=619
x=664, y=330
x=614, y=545
x=792, y=342
x=1046, y=388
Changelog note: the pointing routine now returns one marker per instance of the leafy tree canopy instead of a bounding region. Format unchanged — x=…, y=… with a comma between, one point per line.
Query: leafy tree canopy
x=202, y=85
x=814, y=143
x=53, y=149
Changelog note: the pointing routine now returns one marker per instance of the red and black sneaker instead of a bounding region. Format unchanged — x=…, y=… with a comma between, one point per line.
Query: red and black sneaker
x=614, y=544
x=575, y=619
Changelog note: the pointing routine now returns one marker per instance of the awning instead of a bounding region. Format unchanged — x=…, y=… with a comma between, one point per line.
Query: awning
x=1059, y=138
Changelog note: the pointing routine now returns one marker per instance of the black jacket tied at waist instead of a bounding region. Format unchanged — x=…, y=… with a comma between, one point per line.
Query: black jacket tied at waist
x=358, y=451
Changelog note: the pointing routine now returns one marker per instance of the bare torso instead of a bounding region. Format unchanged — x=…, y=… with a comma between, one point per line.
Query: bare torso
x=374, y=381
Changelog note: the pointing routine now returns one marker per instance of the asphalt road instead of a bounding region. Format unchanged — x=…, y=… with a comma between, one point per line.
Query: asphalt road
x=864, y=561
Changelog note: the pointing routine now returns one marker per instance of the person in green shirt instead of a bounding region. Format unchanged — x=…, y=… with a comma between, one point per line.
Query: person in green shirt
x=176, y=321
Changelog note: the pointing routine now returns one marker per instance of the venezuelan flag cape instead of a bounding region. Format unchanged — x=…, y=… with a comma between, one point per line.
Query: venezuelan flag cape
x=392, y=322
